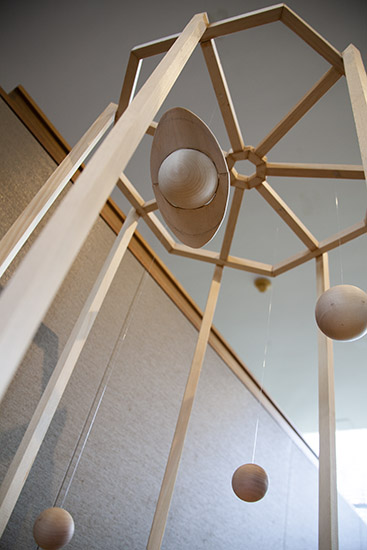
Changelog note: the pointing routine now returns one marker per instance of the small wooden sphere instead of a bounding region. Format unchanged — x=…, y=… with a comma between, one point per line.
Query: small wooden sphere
x=53, y=528
x=250, y=482
x=187, y=178
x=341, y=312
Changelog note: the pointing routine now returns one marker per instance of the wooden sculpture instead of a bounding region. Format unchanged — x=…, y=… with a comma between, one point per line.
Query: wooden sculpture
x=250, y=482
x=53, y=528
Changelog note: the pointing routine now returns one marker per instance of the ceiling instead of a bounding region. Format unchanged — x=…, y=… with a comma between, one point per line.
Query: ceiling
x=71, y=58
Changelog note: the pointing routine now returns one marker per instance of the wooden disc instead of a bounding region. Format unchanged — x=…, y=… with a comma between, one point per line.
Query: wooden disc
x=53, y=528
x=250, y=482
x=181, y=129
x=341, y=312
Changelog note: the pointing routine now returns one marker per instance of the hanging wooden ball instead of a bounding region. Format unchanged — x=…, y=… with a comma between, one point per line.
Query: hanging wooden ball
x=188, y=178
x=53, y=528
x=341, y=312
x=250, y=482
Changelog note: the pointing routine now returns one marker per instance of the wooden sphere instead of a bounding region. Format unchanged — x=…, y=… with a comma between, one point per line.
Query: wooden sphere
x=53, y=528
x=250, y=482
x=188, y=178
x=341, y=312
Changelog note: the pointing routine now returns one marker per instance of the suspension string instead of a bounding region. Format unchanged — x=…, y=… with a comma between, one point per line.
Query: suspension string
x=264, y=360
x=339, y=246
x=97, y=401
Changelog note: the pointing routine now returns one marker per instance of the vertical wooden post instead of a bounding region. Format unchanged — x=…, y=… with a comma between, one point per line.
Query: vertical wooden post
x=27, y=451
x=357, y=86
x=165, y=496
x=328, y=495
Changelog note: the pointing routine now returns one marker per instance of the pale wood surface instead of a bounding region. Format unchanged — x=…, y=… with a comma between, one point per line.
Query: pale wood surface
x=38, y=278
x=165, y=496
x=312, y=38
x=231, y=222
x=357, y=86
x=326, y=245
x=129, y=85
x=155, y=47
x=328, y=496
x=27, y=451
x=22, y=228
x=223, y=94
x=297, y=112
x=243, y=22
x=280, y=207
x=339, y=171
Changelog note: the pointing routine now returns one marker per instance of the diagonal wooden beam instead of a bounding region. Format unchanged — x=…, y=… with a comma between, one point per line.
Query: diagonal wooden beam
x=129, y=84
x=243, y=22
x=357, y=86
x=338, y=171
x=281, y=208
x=231, y=222
x=31, y=290
x=312, y=38
x=326, y=245
x=298, y=111
x=223, y=94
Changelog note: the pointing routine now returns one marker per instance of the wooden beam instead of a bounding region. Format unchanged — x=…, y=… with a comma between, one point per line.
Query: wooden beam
x=154, y=47
x=232, y=222
x=338, y=171
x=326, y=245
x=223, y=94
x=27, y=451
x=165, y=496
x=312, y=38
x=251, y=266
x=298, y=111
x=328, y=495
x=357, y=86
x=129, y=85
x=23, y=227
x=33, y=287
x=196, y=254
x=243, y=22
x=281, y=208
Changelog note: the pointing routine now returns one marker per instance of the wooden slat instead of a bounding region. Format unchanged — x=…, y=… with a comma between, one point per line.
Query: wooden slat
x=165, y=496
x=46, y=408
x=357, y=86
x=312, y=38
x=223, y=94
x=251, y=266
x=137, y=201
x=298, y=111
x=196, y=254
x=326, y=245
x=231, y=223
x=339, y=171
x=33, y=287
x=154, y=47
x=328, y=495
x=281, y=208
x=243, y=22
x=23, y=227
x=129, y=84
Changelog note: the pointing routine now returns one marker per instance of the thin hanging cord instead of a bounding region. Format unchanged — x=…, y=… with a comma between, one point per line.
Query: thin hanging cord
x=264, y=359
x=88, y=425
x=340, y=248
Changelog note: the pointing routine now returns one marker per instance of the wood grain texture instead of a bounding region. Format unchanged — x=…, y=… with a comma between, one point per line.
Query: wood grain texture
x=23, y=227
x=165, y=496
x=37, y=280
x=281, y=208
x=328, y=496
x=338, y=171
x=27, y=451
x=223, y=94
x=357, y=86
x=298, y=111
x=312, y=38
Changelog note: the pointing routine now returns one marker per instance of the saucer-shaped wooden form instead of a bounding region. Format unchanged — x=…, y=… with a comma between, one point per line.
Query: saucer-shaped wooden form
x=53, y=528
x=341, y=312
x=191, y=197
x=250, y=482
